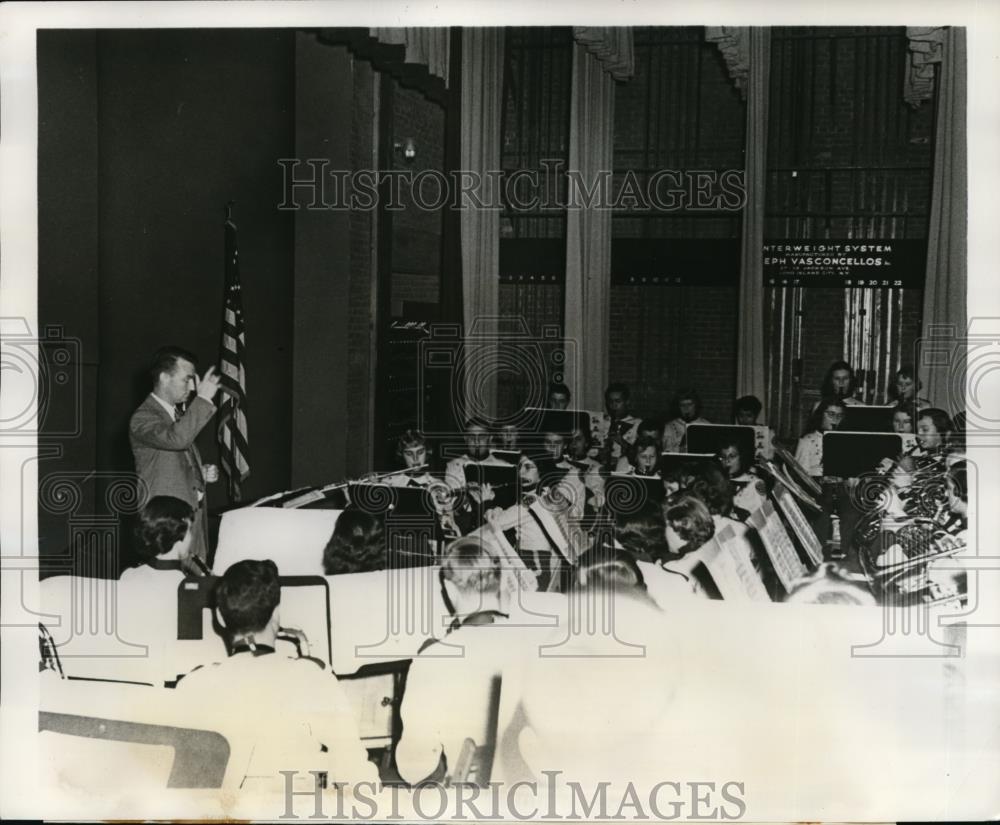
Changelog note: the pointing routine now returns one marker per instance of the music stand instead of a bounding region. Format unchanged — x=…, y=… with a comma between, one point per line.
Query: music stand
x=868, y=419
x=706, y=438
x=851, y=455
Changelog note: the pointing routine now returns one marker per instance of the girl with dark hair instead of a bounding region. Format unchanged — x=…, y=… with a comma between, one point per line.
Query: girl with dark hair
x=933, y=431
x=541, y=527
x=737, y=463
x=163, y=535
x=839, y=383
x=918, y=473
x=827, y=417
x=357, y=545
x=147, y=593
x=641, y=533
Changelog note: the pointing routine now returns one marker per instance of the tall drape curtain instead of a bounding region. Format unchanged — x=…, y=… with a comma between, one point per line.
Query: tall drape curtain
x=747, y=54
x=947, y=247
x=599, y=56
x=750, y=354
x=425, y=46
x=482, y=99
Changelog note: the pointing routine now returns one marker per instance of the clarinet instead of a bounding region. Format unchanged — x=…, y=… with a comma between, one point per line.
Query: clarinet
x=890, y=468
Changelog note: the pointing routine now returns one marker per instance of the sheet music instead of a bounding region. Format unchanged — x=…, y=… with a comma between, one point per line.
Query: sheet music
x=778, y=545
x=731, y=570
x=805, y=534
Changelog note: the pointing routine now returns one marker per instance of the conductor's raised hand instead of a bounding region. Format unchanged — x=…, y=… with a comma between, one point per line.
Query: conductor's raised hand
x=208, y=386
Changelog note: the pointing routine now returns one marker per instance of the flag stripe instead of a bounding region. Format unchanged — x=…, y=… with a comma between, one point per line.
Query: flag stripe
x=233, y=433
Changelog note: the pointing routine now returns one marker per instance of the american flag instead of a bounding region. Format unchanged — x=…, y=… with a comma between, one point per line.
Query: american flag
x=232, y=434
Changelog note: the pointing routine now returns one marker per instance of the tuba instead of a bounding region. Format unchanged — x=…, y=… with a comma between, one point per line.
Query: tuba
x=895, y=557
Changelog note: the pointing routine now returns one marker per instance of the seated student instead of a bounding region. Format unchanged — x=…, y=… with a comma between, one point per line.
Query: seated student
x=746, y=409
x=827, y=416
x=738, y=465
x=641, y=532
x=643, y=457
x=555, y=443
x=147, y=594
x=559, y=396
x=686, y=409
x=904, y=418
x=618, y=428
x=546, y=542
x=649, y=428
x=414, y=453
x=716, y=492
x=358, y=544
x=714, y=487
x=162, y=542
x=276, y=711
x=507, y=438
x=919, y=472
x=933, y=446
x=904, y=390
x=453, y=684
x=477, y=446
x=689, y=526
x=838, y=383
x=577, y=452
x=677, y=477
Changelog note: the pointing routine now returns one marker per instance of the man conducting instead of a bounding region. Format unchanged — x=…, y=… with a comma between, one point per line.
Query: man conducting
x=162, y=437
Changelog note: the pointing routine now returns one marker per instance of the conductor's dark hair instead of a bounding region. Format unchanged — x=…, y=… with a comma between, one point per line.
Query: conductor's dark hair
x=247, y=594
x=163, y=522
x=165, y=360
x=357, y=545
x=476, y=422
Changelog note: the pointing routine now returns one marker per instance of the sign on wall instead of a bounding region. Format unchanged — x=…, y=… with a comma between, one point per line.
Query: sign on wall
x=845, y=263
